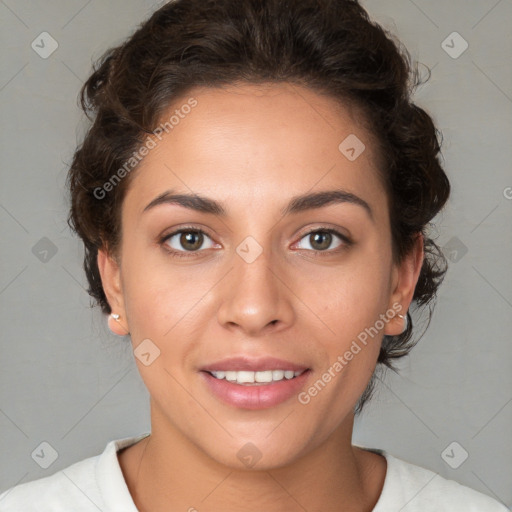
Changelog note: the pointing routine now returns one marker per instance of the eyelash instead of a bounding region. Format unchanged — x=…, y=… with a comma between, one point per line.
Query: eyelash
x=187, y=254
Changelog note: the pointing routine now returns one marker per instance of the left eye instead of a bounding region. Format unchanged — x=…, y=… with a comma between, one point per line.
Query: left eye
x=322, y=239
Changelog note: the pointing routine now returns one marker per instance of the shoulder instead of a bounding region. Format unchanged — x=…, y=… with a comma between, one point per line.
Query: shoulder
x=73, y=486
x=92, y=484
x=411, y=488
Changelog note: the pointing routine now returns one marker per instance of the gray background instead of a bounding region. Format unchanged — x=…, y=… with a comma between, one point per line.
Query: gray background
x=66, y=380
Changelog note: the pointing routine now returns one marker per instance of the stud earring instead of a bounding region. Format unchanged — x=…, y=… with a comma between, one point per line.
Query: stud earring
x=115, y=316
x=403, y=317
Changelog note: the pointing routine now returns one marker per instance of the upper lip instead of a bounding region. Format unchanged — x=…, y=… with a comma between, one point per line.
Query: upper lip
x=242, y=363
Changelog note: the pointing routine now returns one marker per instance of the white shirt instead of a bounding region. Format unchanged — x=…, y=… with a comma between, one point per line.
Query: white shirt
x=97, y=484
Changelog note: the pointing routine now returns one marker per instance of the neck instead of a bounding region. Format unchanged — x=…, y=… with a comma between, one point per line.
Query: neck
x=166, y=471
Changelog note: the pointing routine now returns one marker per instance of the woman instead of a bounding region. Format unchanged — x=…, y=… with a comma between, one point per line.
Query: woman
x=254, y=196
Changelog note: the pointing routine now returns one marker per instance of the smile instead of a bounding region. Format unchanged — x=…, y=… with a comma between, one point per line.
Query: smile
x=255, y=389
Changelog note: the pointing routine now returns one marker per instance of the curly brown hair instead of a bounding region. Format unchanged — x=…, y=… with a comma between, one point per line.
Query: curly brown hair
x=330, y=46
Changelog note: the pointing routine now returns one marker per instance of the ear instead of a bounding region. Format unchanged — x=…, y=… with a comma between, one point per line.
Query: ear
x=405, y=277
x=110, y=273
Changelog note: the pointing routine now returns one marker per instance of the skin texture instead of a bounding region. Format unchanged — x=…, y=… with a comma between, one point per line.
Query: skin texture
x=253, y=148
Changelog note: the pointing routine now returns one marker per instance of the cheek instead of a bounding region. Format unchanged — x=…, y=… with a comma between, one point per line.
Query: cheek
x=352, y=311
x=352, y=353
x=151, y=293
x=353, y=300
x=164, y=301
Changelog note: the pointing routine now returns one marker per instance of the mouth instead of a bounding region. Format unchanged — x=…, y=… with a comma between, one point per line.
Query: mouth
x=247, y=383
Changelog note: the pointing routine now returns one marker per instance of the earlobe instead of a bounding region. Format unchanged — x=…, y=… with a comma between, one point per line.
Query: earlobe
x=114, y=324
x=406, y=277
x=110, y=274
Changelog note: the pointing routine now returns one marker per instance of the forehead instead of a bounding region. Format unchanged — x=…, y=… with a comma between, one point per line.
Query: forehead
x=263, y=142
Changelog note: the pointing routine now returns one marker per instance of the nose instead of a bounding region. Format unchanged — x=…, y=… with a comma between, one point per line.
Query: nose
x=256, y=296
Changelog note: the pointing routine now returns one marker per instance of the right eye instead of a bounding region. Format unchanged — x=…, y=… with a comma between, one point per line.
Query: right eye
x=189, y=241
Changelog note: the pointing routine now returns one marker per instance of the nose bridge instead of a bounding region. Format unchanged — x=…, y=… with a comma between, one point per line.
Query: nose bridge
x=253, y=295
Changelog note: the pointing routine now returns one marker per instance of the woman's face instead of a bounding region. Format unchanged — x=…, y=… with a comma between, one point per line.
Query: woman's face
x=252, y=282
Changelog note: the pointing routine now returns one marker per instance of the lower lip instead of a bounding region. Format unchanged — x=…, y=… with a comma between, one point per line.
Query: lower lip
x=261, y=396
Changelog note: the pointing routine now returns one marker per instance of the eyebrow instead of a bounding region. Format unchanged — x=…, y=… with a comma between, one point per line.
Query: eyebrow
x=297, y=204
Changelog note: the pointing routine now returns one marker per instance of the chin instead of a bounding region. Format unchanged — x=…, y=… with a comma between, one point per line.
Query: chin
x=256, y=454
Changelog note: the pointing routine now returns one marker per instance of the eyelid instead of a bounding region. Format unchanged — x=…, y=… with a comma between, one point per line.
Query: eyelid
x=328, y=228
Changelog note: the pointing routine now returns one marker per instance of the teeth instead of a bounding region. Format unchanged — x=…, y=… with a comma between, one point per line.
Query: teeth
x=243, y=377
x=229, y=376
x=265, y=376
x=246, y=377
x=277, y=374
